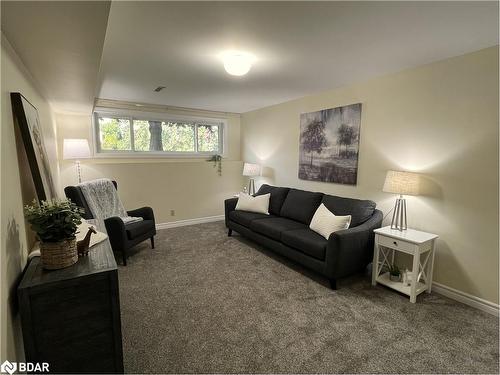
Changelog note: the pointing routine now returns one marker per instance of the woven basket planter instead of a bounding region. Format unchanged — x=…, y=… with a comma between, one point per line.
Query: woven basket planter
x=56, y=255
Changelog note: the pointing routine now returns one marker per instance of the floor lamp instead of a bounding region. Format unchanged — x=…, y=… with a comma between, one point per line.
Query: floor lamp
x=251, y=170
x=76, y=149
x=402, y=183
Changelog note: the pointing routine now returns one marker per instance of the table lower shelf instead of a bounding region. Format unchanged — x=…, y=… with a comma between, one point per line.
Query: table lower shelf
x=399, y=286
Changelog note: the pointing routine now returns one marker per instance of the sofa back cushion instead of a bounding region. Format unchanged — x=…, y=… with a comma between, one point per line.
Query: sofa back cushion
x=360, y=210
x=301, y=205
x=278, y=195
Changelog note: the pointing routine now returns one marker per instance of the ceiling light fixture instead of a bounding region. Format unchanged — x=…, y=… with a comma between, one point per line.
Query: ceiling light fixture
x=237, y=63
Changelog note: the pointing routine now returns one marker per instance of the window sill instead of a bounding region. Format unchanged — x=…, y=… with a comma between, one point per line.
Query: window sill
x=147, y=160
x=152, y=155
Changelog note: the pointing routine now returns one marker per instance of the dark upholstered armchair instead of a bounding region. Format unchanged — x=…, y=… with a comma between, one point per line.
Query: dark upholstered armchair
x=121, y=236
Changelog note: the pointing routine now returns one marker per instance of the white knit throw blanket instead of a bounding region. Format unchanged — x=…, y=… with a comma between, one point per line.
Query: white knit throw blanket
x=103, y=201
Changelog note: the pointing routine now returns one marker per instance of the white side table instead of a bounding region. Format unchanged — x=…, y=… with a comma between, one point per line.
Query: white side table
x=416, y=243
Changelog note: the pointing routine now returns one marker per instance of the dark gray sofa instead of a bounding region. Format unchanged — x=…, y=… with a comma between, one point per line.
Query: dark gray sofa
x=286, y=230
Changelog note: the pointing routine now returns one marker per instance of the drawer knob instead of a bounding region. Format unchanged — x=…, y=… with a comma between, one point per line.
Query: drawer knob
x=395, y=243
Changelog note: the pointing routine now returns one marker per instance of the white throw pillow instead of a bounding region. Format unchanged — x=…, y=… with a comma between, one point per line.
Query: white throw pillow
x=324, y=222
x=259, y=204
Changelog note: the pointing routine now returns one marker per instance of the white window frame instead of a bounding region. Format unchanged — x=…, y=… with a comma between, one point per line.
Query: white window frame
x=153, y=116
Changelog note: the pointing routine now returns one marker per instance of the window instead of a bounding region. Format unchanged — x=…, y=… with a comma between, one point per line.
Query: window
x=178, y=137
x=168, y=136
x=114, y=133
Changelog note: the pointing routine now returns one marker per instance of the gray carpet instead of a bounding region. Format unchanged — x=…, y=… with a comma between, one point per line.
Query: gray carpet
x=205, y=303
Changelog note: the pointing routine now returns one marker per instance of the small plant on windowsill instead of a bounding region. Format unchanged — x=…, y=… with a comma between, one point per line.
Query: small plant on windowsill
x=217, y=160
x=55, y=223
x=394, y=273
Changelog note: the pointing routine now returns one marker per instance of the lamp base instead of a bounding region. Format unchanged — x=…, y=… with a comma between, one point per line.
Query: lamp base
x=251, y=186
x=79, y=171
x=399, y=215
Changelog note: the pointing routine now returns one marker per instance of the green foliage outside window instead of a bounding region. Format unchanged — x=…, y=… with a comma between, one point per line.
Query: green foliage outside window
x=141, y=135
x=208, y=138
x=177, y=137
x=114, y=135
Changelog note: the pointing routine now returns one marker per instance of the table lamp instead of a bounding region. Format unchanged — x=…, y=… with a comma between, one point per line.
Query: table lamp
x=402, y=183
x=76, y=149
x=251, y=170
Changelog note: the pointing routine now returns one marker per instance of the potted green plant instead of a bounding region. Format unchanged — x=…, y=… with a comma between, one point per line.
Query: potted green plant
x=217, y=160
x=55, y=223
x=394, y=273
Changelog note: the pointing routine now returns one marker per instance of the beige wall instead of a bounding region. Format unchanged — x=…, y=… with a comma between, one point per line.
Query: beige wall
x=17, y=189
x=190, y=187
x=440, y=120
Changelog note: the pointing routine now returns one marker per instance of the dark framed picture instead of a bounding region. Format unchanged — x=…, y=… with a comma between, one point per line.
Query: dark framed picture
x=329, y=145
x=26, y=118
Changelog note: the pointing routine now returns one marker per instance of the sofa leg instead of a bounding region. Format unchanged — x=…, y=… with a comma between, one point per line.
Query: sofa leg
x=153, y=242
x=124, y=257
x=229, y=232
x=333, y=284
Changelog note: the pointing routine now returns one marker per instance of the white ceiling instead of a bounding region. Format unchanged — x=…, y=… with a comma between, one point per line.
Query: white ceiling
x=60, y=42
x=301, y=47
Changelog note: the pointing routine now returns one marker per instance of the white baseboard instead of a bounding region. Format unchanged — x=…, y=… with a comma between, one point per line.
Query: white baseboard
x=182, y=223
x=466, y=298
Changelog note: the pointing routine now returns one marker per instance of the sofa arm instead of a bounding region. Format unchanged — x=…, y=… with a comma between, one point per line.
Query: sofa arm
x=116, y=233
x=145, y=212
x=351, y=249
x=229, y=205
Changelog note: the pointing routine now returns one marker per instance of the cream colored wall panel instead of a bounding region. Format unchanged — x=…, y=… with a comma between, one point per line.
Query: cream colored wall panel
x=192, y=189
x=16, y=190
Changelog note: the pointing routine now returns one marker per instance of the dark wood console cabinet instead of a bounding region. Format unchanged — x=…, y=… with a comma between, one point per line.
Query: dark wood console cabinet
x=71, y=317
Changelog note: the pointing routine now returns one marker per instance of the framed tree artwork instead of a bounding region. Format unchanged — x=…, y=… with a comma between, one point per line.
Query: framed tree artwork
x=26, y=118
x=329, y=145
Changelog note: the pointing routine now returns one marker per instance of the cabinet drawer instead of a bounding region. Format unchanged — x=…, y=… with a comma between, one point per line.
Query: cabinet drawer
x=394, y=243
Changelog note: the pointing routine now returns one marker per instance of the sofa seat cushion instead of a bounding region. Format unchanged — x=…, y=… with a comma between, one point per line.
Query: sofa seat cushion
x=360, y=210
x=306, y=241
x=274, y=227
x=278, y=195
x=301, y=205
x=139, y=228
x=245, y=218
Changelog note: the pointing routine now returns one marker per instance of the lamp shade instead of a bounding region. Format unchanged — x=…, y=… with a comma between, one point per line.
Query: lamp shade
x=251, y=169
x=404, y=183
x=76, y=149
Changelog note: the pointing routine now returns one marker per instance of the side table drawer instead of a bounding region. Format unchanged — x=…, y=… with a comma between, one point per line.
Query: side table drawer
x=396, y=244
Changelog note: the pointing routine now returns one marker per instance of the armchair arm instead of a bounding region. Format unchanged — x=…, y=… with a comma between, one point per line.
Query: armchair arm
x=229, y=205
x=145, y=212
x=116, y=232
x=351, y=249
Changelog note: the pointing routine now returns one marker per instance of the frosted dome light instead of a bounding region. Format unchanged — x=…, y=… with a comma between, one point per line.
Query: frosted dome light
x=237, y=63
